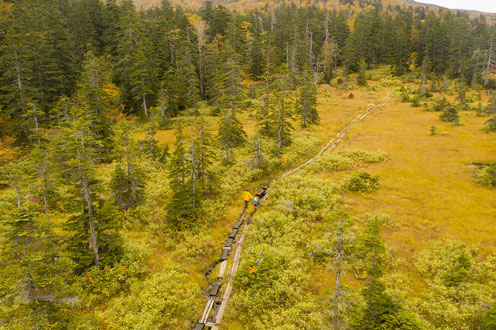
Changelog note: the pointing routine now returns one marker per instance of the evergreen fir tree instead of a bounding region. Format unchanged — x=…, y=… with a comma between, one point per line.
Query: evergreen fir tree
x=77, y=161
x=94, y=80
x=184, y=205
x=231, y=133
x=127, y=184
x=381, y=311
x=361, y=79
x=282, y=112
x=34, y=285
x=307, y=101
x=342, y=256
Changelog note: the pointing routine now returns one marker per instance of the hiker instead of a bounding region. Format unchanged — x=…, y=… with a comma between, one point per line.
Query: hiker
x=255, y=202
x=247, y=197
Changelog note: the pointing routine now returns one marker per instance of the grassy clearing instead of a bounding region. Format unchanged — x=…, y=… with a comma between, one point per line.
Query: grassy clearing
x=426, y=185
x=426, y=192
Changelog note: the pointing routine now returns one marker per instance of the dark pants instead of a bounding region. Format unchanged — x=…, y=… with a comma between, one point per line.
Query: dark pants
x=246, y=204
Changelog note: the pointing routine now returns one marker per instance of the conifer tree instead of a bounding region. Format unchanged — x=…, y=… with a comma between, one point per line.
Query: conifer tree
x=187, y=78
x=381, y=311
x=34, y=285
x=206, y=156
x=361, y=79
x=137, y=64
x=307, y=101
x=127, y=184
x=43, y=176
x=184, y=205
x=231, y=133
x=282, y=112
x=91, y=225
x=94, y=80
x=342, y=256
x=268, y=83
x=15, y=175
x=256, y=58
x=329, y=53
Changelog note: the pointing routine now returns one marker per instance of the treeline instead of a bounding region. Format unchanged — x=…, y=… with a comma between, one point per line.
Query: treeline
x=157, y=54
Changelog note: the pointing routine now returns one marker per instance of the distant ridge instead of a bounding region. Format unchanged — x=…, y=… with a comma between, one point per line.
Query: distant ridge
x=472, y=13
x=196, y=4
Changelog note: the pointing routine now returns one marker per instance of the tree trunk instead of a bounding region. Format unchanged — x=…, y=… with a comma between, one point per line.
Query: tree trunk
x=86, y=191
x=259, y=155
x=16, y=189
x=227, y=154
x=279, y=129
x=339, y=269
x=488, y=65
x=193, y=165
x=144, y=105
x=44, y=186
x=130, y=167
x=87, y=196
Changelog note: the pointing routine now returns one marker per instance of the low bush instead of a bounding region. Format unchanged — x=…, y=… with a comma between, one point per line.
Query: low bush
x=391, y=81
x=194, y=248
x=487, y=175
x=416, y=101
x=450, y=115
x=364, y=156
x=362, y=182
x=441, y=104
x=100, y=284
x=343, y=160
x=158, y=302
x=490, y=125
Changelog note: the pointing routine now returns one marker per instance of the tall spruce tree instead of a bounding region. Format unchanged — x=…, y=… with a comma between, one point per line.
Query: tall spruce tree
x=92, y=227
x=307, y=101
x=380, y=311
x=282, y=111
x=231, y=133
x=127, y=184
x=184, y=205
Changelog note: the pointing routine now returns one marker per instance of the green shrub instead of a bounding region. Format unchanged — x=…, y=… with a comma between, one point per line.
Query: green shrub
x=490, y=125
x=433, y=130
x=405, y=97
x=194, y=248
x=158, y=302
x=362, y=182
x=416, y=101
x=488, y=321
x=343, y=160
x=363, y=156
x=441, y=104
x=391, y=81
x=100, y=284
x=450, y=115
x=487, y=175
x=351, y=96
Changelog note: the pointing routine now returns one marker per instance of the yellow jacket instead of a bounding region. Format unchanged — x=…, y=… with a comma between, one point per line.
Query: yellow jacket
x=247, y=196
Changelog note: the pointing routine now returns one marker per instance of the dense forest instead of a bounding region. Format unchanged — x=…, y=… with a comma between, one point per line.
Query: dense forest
x=126, y=135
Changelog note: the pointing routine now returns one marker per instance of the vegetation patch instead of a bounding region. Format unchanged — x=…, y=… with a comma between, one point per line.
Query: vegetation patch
x=486, y=175
x=343, y=160
x=362, y=182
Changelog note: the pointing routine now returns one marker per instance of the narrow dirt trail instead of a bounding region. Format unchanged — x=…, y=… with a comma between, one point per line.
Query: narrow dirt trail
x=220, y=307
